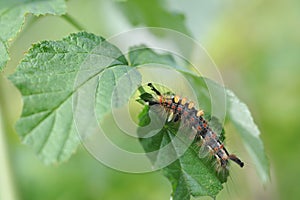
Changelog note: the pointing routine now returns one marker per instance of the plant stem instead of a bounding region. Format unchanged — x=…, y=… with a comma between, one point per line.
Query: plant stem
x=72, y=21
x=7, y=190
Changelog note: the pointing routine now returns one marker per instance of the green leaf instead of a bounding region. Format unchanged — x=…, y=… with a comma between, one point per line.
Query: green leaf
x=141, y=54
x=46, y=79
x=122, y=78
x=152, y=13
x=12, y=17
x=238, y=114
x=189, y=174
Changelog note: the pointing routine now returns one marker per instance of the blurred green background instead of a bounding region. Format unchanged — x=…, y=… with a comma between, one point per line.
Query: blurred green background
x=256, y=46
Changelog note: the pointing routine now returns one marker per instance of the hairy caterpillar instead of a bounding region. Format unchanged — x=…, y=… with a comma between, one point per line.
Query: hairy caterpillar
x=180, y=109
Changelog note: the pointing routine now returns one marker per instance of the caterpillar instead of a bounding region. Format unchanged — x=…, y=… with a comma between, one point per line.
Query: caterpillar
x=181, y=109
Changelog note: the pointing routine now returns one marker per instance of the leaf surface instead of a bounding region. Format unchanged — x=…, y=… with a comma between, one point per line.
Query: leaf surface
x=48, y=80
x=189, y=175
x=114, y=88
x=183, y=185
x=153, y=14
x=241, y=118
x=12, y=17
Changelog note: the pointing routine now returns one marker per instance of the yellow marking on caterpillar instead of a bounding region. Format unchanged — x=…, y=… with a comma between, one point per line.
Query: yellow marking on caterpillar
x=200, y=113
x=191, y=105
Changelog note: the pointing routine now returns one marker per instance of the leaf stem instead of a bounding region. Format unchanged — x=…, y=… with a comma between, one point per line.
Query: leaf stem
x=7, y=189
x=72, y=21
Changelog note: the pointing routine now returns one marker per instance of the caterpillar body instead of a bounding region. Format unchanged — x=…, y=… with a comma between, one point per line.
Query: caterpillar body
x=180, y=109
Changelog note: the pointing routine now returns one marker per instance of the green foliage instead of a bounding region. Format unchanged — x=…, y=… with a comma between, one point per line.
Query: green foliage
x=12, y=17
x=140, y=55
x=240, y=116
x=189, y=174
x=238, y=112
x=46, y=80
x=153, y=14
x=255, y=44
x=110, y=78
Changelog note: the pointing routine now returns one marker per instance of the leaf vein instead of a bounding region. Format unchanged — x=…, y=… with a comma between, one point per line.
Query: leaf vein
x=48, y=136
x=65, y=140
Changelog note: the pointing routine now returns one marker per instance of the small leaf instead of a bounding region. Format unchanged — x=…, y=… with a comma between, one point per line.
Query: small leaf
x=12, y=17
x=152, y=14
x=46, y=79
